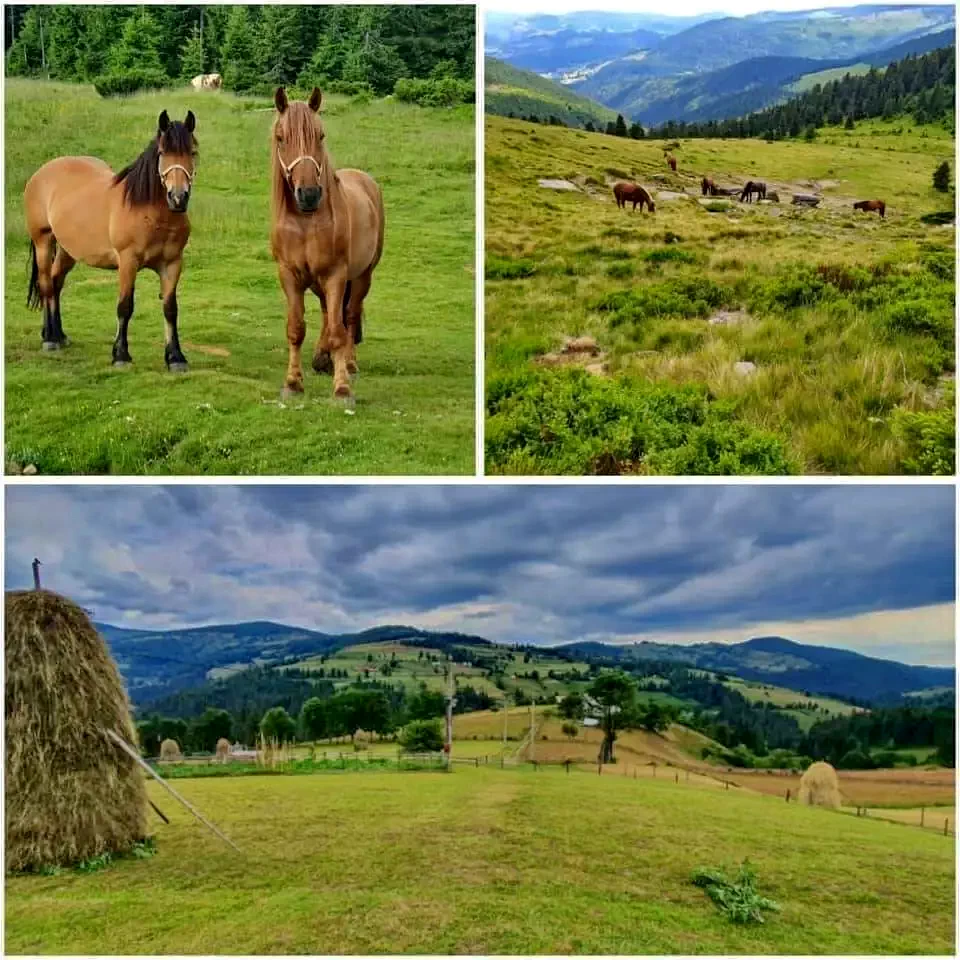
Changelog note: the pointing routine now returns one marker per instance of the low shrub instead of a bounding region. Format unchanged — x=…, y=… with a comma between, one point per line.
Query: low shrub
x=507, y=268
x=929, y=439
x=124, y=83
x=436, y=92
x=569, y=422
x=737, y=898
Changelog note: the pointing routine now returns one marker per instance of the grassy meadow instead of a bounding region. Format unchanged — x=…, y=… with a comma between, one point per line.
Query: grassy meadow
x=71, y=412
x=489, y=861
x=846, y=319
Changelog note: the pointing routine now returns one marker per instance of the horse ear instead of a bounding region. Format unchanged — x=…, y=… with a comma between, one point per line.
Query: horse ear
x=314, y=102
x=280, y=99
x=163, y=122
x=191, y=122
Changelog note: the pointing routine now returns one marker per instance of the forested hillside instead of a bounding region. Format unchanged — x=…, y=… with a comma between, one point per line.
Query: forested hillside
x=921, y=86
x=253, y=47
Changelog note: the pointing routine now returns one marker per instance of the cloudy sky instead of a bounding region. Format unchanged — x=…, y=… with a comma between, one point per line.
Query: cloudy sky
x=868, y=568
x=678, y=8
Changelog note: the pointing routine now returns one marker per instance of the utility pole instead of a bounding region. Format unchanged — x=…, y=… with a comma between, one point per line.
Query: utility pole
x=36, y=573
x=533, y=732
x=448, y=743
x=43, y=56
x=506, y=715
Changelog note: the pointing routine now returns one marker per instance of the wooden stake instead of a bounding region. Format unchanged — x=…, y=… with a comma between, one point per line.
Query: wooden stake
x=157, y=811
x=123, y=745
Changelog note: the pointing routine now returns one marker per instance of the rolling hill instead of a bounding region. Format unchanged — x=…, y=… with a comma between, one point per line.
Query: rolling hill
x=510, y=91
x=161, y=663
x=802, y=667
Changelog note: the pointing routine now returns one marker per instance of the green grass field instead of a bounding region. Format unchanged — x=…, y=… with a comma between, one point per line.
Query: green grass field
x=492, y=862
x=73, y=413
x=847, y=320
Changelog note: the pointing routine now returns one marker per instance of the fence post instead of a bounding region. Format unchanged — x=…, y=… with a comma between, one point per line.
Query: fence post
x=676, y=778
x=923, y=810
x=788, y=796
x=946, y=828
x=599, y=767
x=477, y=764
x=726, y=784
x=566, y=763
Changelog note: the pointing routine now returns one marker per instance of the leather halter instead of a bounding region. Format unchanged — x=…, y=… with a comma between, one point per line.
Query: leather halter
x=175, y=166
x=288, y=170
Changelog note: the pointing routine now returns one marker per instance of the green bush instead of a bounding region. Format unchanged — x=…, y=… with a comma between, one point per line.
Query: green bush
x=670, y=255
x=422, y=736
x=123, y=83
x=677, y=297
x=569, y=422
x=507, y=268
x=435, y=92
x=929, y=438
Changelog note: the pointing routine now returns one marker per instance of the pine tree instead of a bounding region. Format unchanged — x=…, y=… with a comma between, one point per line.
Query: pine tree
x=620, y=128
x=636, y=131
x=139, y=46
x=941, y=177
x=191, y=60
x=278, y=47
x=239, y=69
x=848, y=124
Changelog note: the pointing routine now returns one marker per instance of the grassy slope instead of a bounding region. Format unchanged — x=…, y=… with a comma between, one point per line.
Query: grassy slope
x=510, y=89
x=488, y=861
x=809, y=80
x=72, y=413
x=830, y=377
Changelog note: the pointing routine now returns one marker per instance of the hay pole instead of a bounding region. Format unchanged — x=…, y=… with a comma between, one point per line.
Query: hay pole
x=158, y=811
x=120, y=742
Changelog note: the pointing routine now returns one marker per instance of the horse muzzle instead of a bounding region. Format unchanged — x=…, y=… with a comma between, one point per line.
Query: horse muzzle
x=177, y=200
x=308, y=198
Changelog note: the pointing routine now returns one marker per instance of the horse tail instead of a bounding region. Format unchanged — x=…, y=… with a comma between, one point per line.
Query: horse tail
x=33, y=288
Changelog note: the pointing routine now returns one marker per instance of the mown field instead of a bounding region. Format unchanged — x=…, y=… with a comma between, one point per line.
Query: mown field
x=71, y=412
x=847, y=320
x=492, y=862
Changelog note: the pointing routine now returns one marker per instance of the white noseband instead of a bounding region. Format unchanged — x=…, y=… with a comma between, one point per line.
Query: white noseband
x=175, y=166
x=288, y=170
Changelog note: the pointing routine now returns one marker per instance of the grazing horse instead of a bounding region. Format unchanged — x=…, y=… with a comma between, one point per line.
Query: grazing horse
x=326, y=236
x=870, y=205
x=632, y=192
x=708, y=187
x=672, y=162
x=78, y=209
x=753, y=187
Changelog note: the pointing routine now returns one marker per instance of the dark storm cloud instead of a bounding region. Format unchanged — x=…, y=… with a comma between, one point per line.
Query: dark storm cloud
x=532, y=563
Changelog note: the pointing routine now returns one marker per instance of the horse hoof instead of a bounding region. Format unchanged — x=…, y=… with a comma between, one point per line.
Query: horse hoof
x=290, y=393
x=49, y=345
x=323, y=363
x=122, y=363
x=178, y=367
x=342, y=391
x=346, y=400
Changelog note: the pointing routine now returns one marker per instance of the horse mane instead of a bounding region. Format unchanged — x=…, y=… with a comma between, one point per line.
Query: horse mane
x=304, y=138
x=141, y=179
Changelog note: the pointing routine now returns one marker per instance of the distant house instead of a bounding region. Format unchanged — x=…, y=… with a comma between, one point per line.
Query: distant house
x=591, y=722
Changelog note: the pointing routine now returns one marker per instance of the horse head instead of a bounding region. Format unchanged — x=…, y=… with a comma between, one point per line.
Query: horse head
x=176, y=158
x=300, y=151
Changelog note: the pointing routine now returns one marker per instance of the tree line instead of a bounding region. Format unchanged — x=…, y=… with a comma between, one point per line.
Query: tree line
x=254, y=48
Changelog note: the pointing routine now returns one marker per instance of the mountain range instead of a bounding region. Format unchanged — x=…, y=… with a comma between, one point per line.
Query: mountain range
x=158, y=663
x=717, y=67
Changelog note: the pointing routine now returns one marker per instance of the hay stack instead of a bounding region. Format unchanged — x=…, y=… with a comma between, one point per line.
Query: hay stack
x=170, y=750
x=223, y=750
x=71, y=794
x=819, y=786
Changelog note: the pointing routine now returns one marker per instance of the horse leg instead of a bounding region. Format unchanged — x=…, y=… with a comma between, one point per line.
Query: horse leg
x=337, y=337
x=296, y=331
x=44, y=246
x=128, y=278
x=169, y=278
x=63, y=263
x=353, y=318
x=322, y=361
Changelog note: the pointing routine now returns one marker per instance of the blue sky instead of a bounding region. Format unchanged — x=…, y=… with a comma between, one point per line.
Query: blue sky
x=865, y=567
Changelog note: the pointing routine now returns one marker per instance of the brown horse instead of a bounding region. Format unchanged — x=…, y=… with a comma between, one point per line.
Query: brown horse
x=753, y=187
x=672, y=162
x=326, y=236
x=870, y=205
x=708, y=186
x=78, y=209
x=632, y=193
